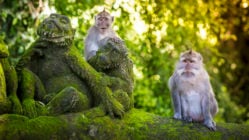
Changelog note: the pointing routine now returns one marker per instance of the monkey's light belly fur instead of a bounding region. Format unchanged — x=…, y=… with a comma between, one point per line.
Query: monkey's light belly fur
x=193, y=100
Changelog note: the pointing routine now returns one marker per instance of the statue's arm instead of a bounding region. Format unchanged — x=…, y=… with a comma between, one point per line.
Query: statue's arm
x=97, y=83
x=11, y=85
x=29, y=85
x=10, y=76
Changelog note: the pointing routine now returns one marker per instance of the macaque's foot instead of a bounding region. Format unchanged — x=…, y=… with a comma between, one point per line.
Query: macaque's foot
x=177, y=116
x=211, y=125
x=214, y=123
x=188, y=119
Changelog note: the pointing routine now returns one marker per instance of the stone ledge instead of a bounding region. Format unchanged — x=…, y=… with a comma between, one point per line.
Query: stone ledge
x=135, y=125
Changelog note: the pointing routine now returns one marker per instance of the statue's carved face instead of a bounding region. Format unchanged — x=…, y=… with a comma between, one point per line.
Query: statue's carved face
x=56, y=28
x=111, y=55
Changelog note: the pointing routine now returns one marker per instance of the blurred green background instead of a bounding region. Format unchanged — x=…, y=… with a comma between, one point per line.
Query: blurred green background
x=155, y=32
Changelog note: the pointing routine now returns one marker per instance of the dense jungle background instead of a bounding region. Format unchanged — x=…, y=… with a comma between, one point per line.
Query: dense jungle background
x=155, y=32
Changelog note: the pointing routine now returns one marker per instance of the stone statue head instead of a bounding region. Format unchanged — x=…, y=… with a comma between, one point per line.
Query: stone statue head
x=111, y=55
x=56, y=29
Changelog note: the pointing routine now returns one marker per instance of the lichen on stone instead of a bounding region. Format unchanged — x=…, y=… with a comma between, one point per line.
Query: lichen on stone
x=112, y=60
x=54, y=73
x=9, y=102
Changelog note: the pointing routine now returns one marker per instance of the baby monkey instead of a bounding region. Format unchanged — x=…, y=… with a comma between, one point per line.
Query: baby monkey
x=191, y=91
x=99, y=33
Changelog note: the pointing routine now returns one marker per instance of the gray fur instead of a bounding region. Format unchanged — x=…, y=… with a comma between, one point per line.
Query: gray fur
x=94, y=37
x=193, y=98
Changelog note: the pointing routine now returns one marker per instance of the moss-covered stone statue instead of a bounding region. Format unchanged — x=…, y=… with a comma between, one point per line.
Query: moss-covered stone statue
x=112, y=59
x=9, y=103
x=54, y=72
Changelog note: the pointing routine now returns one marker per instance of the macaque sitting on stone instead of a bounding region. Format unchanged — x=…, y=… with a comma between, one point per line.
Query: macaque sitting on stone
x=191, y=91
x=112, y=60
x=100, y=30
x=53, y=72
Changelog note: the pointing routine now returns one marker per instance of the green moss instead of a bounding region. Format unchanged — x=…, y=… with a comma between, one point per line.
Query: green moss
x=11, y=126
x=68, y=100
x=4, y=53
x=112, y=60
x=53, y=127
x=133, y=118
x=75, y=86
x=233, y=130
x=20, y=127
x=9, y=103
x=37, y=67
x=135, y=125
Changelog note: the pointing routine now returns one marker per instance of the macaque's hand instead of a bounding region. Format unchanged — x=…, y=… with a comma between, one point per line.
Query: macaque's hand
x=103, y=28
x=116, y=40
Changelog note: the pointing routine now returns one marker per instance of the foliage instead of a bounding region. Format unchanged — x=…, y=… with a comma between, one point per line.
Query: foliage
x=156, y=32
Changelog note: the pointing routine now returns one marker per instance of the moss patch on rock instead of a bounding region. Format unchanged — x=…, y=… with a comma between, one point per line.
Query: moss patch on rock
x=136, y=124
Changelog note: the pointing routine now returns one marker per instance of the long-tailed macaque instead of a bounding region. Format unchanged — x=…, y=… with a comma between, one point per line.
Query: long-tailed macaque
x=191, y=91
x=98, y=33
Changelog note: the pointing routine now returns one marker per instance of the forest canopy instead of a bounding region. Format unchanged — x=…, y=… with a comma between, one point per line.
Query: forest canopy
x=155, y=32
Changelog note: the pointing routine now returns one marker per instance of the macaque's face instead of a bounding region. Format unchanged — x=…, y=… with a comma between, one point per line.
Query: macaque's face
x=190, y=64
x=103, y=21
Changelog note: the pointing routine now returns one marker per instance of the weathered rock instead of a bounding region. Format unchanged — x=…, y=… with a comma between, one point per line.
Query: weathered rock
x=135, y=125
x=8, y=83
x=112, y=60
x=54, y=72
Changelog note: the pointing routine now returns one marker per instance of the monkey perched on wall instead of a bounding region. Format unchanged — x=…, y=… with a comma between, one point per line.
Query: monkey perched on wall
x=191, y=91
x=98, y=33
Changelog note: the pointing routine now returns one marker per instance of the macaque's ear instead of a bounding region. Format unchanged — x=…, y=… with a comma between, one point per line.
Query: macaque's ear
x=95, y=20
x=200, y=57
x=181, y=54
x=112, y=18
